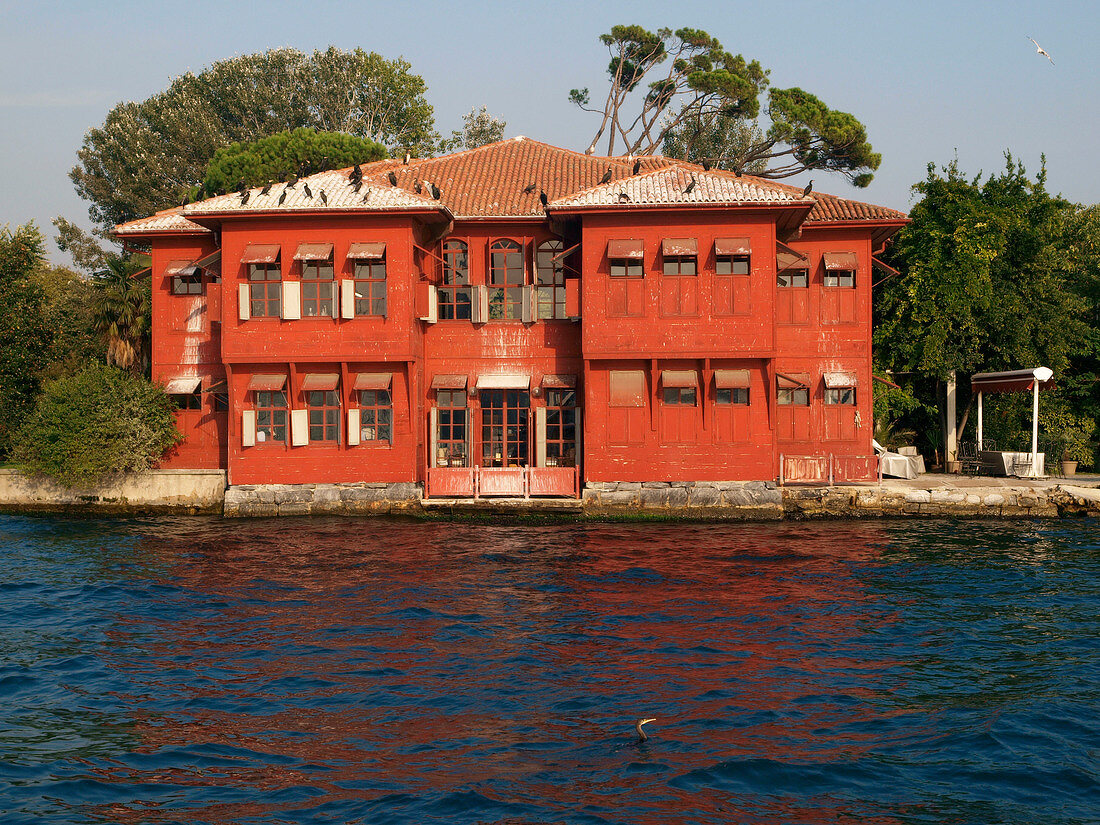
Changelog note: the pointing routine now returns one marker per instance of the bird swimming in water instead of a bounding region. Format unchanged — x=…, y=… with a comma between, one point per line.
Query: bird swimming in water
x=638, y=727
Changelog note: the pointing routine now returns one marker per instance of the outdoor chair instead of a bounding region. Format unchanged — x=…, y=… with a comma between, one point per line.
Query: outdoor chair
x=969, y=462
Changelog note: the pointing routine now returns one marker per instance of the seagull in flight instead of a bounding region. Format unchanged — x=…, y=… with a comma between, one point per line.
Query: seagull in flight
x=1040, y=50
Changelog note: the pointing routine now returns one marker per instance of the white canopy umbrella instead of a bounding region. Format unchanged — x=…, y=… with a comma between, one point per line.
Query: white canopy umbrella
x=1014, y=381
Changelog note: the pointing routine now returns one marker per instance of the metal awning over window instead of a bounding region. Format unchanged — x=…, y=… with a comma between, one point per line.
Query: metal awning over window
x=679, y=378
x=313, y=252
x=367, y=251
x=626, y=388
x=320, y=381
x=630, y=250
x=503, y=382
x=182, y=386
x=260, y=253
x=373, y=381
x=840, y=260
x=731, y=379
x=792, y=381
x=790, y=260
x=1011, y=381
x=732, y=246
x=559, y=382
x=679, y=247
x=212, y=262
x=449, y=382
x=836, y=380
x=180, y=268
x=267, y=382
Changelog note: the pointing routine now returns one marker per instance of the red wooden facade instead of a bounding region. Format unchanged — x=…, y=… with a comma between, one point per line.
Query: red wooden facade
x=674, y=324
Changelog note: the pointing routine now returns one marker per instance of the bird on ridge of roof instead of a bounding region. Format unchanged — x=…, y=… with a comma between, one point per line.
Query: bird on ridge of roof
x=366, y=195
x=282, y=197
x=542, y=198
x=266, y=189
x=308, y=191
x=392, y=177
x=529, y=188
x=809, y=188
x=418, y=188
x=637, y=167
x=245, y=195
x=706, y=164
x=358, y=185
x=292, y=181
x=606, y=176
x=624, y=198
x=436, y=191
x=1040, y=50
x=690, y=186
x=408, y=157
x=356, y=174
x=324, y=198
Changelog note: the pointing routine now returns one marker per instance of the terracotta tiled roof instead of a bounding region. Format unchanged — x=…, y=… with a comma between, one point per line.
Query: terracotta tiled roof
x=674, y=186
x=489, y=182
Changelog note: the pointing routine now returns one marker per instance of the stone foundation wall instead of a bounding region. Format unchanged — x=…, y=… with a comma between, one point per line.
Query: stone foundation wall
x=251, y=500
x=191, y=491
x=746, y=500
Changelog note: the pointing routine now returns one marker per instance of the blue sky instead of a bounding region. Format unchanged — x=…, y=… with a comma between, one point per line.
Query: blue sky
x=930, y=80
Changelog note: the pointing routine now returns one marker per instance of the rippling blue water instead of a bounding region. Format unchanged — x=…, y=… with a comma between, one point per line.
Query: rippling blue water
x=371, y=671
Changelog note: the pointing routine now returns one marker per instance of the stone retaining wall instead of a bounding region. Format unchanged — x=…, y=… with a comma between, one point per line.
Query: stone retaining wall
x=191, y=491
x=748, y=500
x=250, y=500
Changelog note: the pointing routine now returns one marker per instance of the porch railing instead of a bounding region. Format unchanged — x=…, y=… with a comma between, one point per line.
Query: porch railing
x=827, y=469
x=513, y=482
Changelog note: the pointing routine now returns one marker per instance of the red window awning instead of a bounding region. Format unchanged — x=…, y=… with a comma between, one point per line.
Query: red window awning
x=732, y=246
x=679, y=247
x=373, y=381
x=449, y=382
x=559, y=382
x=367, y=251
x=731, y=379
x=320, y=381
x=180, y=268
x=789, y=260
x=840, y=260
x=628, y=249
x=267, y=382
x=260, y=253
x=836, y=380
x=627, y=388
x=313, y=252
x=679, y=378
x=792, y=381
x=184, y=385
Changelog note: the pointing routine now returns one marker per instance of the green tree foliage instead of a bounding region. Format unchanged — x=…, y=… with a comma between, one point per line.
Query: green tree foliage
x=69, y=300
x=708, y=100
x=147, y=156
x=95, y=424
x=478, y=129
x=122, y=312
x=283, y=155
x=25, y=333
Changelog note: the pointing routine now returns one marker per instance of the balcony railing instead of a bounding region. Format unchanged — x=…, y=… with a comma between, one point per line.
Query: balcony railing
x=511, y=482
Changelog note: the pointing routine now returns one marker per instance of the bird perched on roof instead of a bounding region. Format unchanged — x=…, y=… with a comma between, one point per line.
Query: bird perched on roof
x=356, y=174
x=358, y=185
x=292, y=181
x=624, y=198
x=245, y=195
x=324, y=198
x=308, y=191
x=690, y=186
x=542, y=198
x=1040, y=50
x=392, y=178
x=706, y=164
x=282, y=197
x=366, y=196
x=529, y=188
x=418, y=188
x=809, y=188
x=408, y=157
x=266, y=189
x=606, y=176
x=637, y=167
x=436, y=191
x=638, y=727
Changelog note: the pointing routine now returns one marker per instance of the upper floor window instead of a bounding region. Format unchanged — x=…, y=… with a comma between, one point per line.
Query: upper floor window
x=550, y=264
x=265, y=290
x=625, y=258
x=188, y=401
x=187, y=284
x=455, y=294
x=318, y=286
x=840, y=269
x=793, y=278
x=507, y=278
x=679, y=256
x=732, y=395
x=678, y=396
x=731, y=265
x=679, y=286
x=370, y=278
x=793, y=390
x=270, y=410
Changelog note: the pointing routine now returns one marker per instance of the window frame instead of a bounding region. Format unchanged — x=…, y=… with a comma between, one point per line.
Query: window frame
x=838, y=278
x=835, y=396
x=372, y=405
x=313, y=275
x=508, y=427
x=787, y=396
x=187, y=402
x=679, y=396
x=506, y=297
x=330, y=409
x=734, y=396
x=732, y=261
x=270, y=290
x=447, y=409
x=370, y=287
x=790, y=273
x=191, y=280
x=561, y=451
x=455, y=282
x=550, y=294
x=271, y=411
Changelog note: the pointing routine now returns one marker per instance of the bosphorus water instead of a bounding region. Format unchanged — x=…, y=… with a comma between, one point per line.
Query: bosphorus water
x=382, y=671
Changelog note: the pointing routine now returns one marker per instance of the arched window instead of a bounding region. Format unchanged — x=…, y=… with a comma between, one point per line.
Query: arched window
x=507, y=278
x=551, y=280
x=454, y=294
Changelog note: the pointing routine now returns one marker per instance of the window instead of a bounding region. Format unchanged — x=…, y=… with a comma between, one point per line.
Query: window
x=840, y=395
x=678, y=396
x=506, y=275
x=370, y=286
x=455, y=293
x=790, y=278
x=793, y=396
x=551, y=281
x=561, y=428
x=840, y=278
x=731, y=265
x=679, y=285
x=190, y=401
x=733, y=395
x=324, y=415
x=265, y=290
x=451, y=434
x=626, y=268
x=504, y=421
x=187, y=284
x=317, y=289
x=375, y=415
x=270, y=416
x=679, y=265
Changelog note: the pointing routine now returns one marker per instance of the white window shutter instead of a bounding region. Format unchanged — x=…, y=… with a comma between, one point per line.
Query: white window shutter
x=578, y=429
x=347, y=298
x=433, y=425
x=528, y=304
x=248, y=428
x=244, y=302
x=299, y=428
x=292, y=300
x=540, y=436
x=483, y=303
x=431, y=312
x=353, y=426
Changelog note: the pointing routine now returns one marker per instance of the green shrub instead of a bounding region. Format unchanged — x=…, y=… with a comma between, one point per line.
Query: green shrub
x=95, y=424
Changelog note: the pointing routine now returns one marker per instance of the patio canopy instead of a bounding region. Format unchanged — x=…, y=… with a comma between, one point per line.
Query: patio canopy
x=1015, y=381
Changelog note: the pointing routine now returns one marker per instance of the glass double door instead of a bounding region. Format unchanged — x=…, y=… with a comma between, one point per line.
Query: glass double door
x=505, y=428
